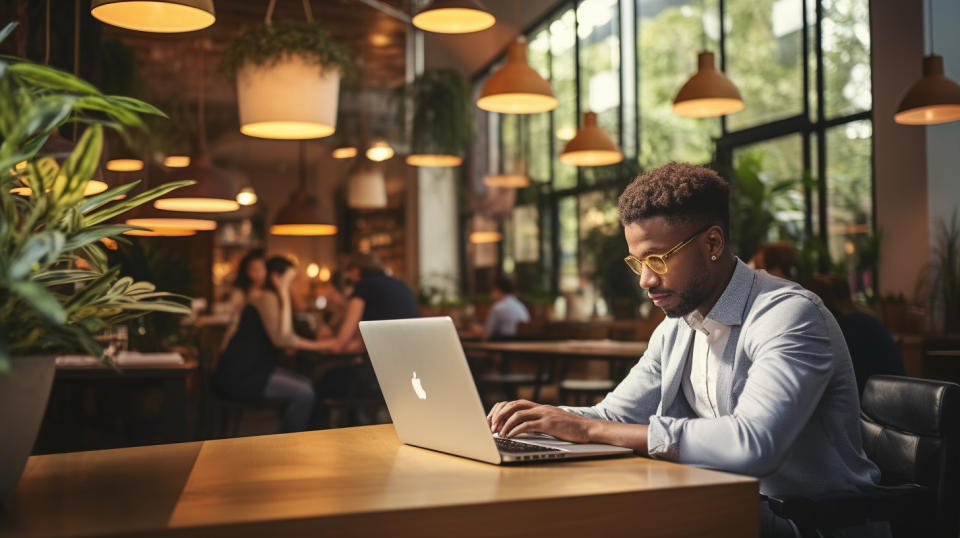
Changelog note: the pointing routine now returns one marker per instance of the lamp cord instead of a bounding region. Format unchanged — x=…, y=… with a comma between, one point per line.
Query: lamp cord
x=76, y=47
x=307, y=11
x=703, y=26
x=930, y=18
x=46, y=38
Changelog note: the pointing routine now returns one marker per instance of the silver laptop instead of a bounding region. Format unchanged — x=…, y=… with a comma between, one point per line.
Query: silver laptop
x=434, y=403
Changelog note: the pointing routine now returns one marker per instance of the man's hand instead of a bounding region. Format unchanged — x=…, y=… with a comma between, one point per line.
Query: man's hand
x=523, y=416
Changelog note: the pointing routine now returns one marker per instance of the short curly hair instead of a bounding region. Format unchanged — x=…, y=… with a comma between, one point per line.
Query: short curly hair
x=679, y=192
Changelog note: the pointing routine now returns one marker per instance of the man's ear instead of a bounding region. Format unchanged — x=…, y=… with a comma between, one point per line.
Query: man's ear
x=716, y=241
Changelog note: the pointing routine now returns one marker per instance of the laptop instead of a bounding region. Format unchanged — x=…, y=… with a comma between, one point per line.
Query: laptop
x=434, y=403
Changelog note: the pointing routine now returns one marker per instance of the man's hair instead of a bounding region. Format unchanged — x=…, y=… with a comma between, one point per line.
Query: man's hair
x=505, y=284
x=368, y=263
x=243, y=281
x=678, y=192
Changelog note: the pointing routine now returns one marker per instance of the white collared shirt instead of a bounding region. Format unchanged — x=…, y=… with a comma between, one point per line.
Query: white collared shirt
x=700, y=383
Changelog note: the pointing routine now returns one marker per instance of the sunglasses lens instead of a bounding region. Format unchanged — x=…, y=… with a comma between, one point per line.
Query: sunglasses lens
x=657, y=265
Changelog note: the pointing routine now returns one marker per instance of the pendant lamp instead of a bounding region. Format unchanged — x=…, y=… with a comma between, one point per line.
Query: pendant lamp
x=485, y=236
x=247, y=196
x=345, y=152
x=303, y=215
x=507, y=181
x=454, y=17
x=124, y=164
x=161, y=16
x=932, y=99
x=213, y=191
x=367, y=188
x=516, y=88
x=380, y=150
x=591, y=146
x=708, y=93
x=165, y=223
x=176, y=161
x=434, y=160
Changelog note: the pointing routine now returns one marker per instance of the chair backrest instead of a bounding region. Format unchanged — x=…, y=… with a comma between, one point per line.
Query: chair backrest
x=910, y=431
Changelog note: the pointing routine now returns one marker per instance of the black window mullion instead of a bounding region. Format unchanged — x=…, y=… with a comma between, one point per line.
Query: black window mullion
x=821, y=139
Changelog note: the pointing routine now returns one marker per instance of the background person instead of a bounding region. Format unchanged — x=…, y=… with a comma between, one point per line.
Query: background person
x=251, y=277
x=247, y=369
x=872, y=348
x=506, y=313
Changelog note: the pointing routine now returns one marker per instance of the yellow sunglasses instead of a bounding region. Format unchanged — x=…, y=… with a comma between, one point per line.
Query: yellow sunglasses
x=658, y=262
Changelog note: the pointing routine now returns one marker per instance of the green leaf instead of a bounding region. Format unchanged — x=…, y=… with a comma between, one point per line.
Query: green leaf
x=58, y=277
x=105, y=197
x=157, y=306
x=7, y=30
x=101, y=104
x=79, y=167
x=41, y=299
x=95, y=233
x=126, y=205
x=52, y=79
x=42, y=246
x=138, y=288
x=42, y=116
x=134, y=105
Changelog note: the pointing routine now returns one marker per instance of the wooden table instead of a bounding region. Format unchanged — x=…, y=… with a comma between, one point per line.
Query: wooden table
x=550, y=357
x=364, y=482
x=567, y=349
x=170, y=377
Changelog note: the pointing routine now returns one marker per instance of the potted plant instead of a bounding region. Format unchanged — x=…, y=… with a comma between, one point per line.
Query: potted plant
x=56, y=288
x=288, y=79
x=442, y=118
x=945, y=275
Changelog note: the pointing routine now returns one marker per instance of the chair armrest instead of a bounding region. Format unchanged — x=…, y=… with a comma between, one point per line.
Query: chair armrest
x=880, y=503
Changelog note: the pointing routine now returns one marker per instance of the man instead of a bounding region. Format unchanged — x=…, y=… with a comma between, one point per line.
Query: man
x=376, y=296
x=506, y=313
x=748, y=373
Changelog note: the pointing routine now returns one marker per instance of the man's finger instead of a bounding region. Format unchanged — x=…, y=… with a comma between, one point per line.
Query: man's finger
x=518, y=417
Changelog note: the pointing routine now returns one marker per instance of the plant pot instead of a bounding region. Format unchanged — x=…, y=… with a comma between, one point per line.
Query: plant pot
x=291, y=99
x=23, y=400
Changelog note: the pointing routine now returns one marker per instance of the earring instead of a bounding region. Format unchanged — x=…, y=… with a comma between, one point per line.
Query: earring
x=713, y=258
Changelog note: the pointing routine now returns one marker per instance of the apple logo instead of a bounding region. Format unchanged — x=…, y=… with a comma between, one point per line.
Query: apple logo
x=418, y=388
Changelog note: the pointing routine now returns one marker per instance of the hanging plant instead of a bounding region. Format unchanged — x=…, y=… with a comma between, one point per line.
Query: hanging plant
x=288, y=79
x=442, y=118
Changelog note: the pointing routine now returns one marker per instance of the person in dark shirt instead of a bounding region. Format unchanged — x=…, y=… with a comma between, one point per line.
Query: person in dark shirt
x=376, y=296
x=872, y=349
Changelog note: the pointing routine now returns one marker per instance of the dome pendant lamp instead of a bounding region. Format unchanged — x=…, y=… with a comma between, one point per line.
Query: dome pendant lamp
x=303, y=215
x=708, y=93
x=591, y=146
x=160, y=16
x=516, y=88
x=934, y=98
x=213, y=191
x=454, y=17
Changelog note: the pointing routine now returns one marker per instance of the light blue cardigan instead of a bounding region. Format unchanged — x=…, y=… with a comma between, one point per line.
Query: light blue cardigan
x=786, y=393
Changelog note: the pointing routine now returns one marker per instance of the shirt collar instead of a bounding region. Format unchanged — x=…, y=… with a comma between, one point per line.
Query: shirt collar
x=729, y=308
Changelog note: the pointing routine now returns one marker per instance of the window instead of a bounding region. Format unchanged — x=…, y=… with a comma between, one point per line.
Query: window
x=668, y=36
x=849, y=211
x=846, y=57
x=599, y=33
x=563, y=40
x=764, y=52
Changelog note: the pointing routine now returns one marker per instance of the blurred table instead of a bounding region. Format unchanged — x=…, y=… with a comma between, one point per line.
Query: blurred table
x=364, y=482
x=565, y=349
x=169, y=371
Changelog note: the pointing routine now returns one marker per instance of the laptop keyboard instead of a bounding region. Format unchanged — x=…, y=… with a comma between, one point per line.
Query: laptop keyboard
x=509, y=445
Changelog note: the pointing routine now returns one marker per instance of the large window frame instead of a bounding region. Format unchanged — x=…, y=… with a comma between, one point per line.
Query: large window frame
x=811, y=124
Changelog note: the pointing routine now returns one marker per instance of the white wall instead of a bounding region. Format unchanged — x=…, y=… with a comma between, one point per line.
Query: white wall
x=943, y=141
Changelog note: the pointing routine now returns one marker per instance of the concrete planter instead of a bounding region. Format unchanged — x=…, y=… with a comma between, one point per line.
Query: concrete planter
x=23, y=400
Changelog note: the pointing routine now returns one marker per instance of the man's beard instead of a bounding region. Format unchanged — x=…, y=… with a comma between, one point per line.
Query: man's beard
x=694, y=296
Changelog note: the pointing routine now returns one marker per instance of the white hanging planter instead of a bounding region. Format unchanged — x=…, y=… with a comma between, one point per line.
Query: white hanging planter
x=291, y=99
x=367, y=189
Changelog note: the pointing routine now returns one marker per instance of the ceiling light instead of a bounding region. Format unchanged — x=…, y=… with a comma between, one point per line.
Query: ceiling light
x=124, y=165
x=508, y=181
x=303, y=215
x=213, y=192
x=708, y=93
x=932, y=99
x=379, y=151
x=433, y=160
x=453, y=17
x=367, y=188
x=380, y=40
x=161, y=232
x=313, y=270
x=247, y=196
x=177, y=161
x=346, y=152
x=516, y=88
x=162, y=16
x=485, y=237
x=591, y=146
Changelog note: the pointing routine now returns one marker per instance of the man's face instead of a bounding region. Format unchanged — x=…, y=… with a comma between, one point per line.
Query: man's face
x=687, y=283
x=352, y=275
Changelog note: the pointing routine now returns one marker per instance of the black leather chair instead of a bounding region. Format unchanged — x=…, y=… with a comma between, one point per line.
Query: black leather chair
x=910, y=430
